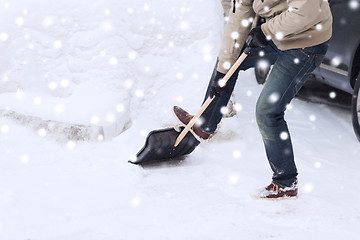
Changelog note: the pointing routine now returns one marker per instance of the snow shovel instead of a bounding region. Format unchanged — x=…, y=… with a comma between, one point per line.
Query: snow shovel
x=209, y=99
x=159, y=146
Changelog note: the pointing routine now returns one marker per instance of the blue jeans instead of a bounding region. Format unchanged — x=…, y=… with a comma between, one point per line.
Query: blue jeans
x=291, y=69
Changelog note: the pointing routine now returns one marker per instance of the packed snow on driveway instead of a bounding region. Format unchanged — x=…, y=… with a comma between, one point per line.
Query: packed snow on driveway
x=81, y=85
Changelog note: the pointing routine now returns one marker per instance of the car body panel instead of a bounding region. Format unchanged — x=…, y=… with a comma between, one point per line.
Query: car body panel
x=338, y=62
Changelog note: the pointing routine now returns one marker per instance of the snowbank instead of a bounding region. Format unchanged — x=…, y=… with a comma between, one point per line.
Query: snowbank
x=100, y=63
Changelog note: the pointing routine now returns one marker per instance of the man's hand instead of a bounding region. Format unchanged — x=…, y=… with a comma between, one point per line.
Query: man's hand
x=218, y=87
x=257, y=38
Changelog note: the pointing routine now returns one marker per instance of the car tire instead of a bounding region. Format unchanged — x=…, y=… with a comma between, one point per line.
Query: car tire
x=355, y=108
x=261, y=74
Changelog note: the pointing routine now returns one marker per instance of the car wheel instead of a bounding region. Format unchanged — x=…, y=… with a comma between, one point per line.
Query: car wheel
x=261, y=74
x=355, y=108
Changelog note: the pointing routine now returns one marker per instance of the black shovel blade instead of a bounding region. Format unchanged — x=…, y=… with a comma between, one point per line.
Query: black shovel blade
x=159, y=146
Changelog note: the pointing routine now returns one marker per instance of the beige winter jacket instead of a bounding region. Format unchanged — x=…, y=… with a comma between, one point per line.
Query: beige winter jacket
x=289, y=23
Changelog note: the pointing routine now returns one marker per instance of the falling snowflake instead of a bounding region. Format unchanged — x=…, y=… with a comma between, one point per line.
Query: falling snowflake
x=279, y=36
x=226, y=65
x=143, y=132
x=274, y=97
x=312, y=118
x=132, y=55
x=336, y=61
x=48, y=21
x=4, y=36
x=146, y=7
x=296, y=61
x=25, y=158
x=37, y=100
x=245, y=23
x=113, y=61
x=207, y=57
x=317, y=164
x=139, y=93
x=249, y=93
x=19, y=21
x=199, y=121
x=64, y=83
x=222, y=82
x=263, y=64
x=180, y=99
x=354, y=4
x=184, y=25
x=52, y=85
x=284, y=136
x=130, y=10
x=224, y=110
x=179, y=75
x=308, y=188
x=233, y=179
x=71, y=144
x=107, y=26
x=261, y=53
x=57, y=44
x=42, y=132
x=236, y=154
x=135, y=202
x=94, y=120
x=238, y=107
x=128, y=84
x=332, y=95
x=59, y=109
x=318, y=27
x=120, y=108
x=5, y=128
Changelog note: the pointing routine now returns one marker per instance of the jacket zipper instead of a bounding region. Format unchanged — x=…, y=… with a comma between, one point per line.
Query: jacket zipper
x=234, y=3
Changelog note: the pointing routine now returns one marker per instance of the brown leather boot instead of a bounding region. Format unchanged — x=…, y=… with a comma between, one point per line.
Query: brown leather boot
x=184, y=118
x=274, y=191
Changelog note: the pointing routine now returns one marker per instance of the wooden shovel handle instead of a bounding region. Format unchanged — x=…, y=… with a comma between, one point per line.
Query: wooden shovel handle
x=209, y=100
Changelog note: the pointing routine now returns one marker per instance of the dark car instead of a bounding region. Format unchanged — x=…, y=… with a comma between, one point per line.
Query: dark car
x=340, y=68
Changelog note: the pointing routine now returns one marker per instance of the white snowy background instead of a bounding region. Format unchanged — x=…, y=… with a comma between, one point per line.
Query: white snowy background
x=83, y=82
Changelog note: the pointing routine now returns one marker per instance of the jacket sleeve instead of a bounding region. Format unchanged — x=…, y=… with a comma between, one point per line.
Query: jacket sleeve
x=236, y=31
x=299, y=16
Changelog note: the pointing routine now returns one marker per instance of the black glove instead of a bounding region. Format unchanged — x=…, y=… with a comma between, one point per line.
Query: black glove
x=256, y=38
x=216, y=89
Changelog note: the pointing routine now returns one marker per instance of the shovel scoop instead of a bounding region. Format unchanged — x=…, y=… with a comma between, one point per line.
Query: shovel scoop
x=159, y=146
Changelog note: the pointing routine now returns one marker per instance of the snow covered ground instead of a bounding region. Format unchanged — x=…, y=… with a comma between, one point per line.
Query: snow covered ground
x=122, y=66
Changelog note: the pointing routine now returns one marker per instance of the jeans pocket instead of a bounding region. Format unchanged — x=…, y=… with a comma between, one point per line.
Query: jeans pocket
x=305, y=52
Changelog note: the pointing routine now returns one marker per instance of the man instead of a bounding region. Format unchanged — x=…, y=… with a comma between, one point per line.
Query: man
x=294, y=39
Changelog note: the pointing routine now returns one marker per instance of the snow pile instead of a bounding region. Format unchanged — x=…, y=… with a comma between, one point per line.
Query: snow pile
x=100, y=63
